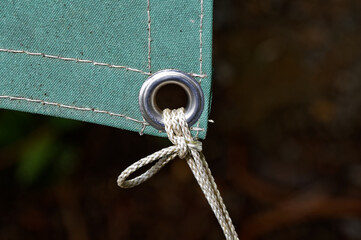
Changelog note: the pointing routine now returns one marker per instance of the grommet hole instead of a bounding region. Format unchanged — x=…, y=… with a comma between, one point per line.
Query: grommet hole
x=171, y=96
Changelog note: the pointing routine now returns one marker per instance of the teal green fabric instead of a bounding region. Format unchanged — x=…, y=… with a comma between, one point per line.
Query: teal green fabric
x=87, y=59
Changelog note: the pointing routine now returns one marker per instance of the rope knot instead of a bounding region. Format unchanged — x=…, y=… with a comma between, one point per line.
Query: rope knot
x=186, y=147
x=178, y=132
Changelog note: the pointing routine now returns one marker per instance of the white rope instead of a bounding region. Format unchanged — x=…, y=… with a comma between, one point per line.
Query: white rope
x=186, y=148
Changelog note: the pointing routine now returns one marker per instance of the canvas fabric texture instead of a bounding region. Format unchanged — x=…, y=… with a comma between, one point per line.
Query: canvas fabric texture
x=87, y=59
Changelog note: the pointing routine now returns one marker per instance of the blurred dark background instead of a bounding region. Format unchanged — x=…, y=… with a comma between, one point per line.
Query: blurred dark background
x=284, y=148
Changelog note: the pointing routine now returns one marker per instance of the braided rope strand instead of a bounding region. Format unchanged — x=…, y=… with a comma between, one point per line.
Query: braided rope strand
x=185, y=147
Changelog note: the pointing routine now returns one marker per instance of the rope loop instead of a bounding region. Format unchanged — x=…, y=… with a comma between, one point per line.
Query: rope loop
x=190, y=149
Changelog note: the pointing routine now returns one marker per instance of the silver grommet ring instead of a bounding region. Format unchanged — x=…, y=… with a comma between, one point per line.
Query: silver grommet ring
x=147, y=101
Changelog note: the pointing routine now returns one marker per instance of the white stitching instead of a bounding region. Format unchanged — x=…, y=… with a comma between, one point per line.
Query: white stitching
x=144, y=126
x=201, y=40
x=72, y=107
x=197, y=133
x=143, y=123
x=198, y=75
x=86, y=61
x=73, y=60
x=149, y=36
x=197, y=129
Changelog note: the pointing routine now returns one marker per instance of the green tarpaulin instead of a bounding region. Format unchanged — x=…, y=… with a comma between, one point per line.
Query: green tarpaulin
x=87, y=60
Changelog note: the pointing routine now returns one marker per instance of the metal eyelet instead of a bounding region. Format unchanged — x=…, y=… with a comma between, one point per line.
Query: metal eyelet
x=147, y=103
